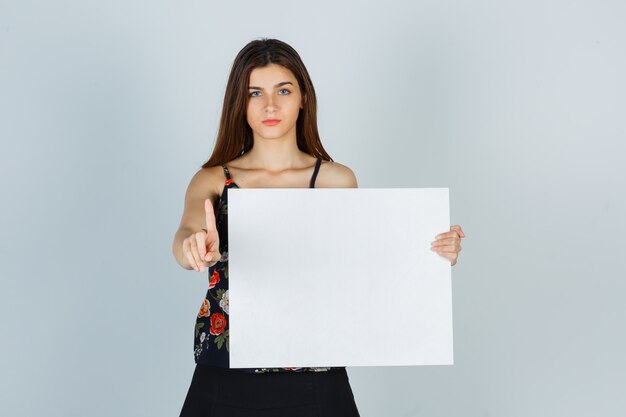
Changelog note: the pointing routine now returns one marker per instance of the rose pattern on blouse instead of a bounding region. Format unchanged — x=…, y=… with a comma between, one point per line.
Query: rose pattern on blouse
x=224, y=302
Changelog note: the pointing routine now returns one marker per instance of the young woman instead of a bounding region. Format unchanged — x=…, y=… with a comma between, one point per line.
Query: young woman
x=267, y=138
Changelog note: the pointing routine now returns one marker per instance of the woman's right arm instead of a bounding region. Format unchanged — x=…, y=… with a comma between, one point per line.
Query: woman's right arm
x=191, y=243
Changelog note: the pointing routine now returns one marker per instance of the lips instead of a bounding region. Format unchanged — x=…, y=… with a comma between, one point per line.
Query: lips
x=271, y=122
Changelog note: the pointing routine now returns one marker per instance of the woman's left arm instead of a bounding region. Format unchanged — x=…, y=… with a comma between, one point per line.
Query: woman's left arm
x=448, y=244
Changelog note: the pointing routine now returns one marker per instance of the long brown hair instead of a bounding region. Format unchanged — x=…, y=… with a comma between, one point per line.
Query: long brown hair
x=234, y=137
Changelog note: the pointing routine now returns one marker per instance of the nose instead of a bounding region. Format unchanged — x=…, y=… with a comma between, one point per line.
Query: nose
x=269, y=104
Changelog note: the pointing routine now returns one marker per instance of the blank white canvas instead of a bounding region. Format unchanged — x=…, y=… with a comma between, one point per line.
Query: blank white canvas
x=338, y=277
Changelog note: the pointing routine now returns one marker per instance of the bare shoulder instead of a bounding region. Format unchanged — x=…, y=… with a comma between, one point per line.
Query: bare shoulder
x=207, y=183
x=335, y=175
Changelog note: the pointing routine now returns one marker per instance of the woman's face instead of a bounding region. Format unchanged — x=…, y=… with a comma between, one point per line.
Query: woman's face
x=273, y=93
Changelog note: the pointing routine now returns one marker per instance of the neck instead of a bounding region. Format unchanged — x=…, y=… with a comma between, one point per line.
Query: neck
x=275, y=154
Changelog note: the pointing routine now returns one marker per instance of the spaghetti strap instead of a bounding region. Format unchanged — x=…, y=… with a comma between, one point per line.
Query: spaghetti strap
x=226, y=171
x=317, y=168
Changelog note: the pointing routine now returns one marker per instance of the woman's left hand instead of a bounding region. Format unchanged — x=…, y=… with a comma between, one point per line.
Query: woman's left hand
x=448, y=244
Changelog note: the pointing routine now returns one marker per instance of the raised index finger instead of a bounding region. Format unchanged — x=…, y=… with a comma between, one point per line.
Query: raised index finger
x=209, y=214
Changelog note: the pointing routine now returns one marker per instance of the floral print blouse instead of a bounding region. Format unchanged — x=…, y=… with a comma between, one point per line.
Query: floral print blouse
x=211, y=343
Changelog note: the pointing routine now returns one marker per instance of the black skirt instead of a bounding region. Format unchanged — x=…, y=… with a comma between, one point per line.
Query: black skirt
x=223, y=392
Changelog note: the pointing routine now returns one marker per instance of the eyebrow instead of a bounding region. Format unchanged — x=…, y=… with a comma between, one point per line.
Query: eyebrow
x=252, y=87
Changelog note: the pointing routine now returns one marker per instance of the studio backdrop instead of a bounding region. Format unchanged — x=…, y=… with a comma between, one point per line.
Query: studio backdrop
x=107, y=109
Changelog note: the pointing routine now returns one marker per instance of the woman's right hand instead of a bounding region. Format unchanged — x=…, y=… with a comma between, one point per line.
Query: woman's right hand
x=203, y=248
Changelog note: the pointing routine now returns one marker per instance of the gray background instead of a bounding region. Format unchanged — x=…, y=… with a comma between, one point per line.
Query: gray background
x=108, y=108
